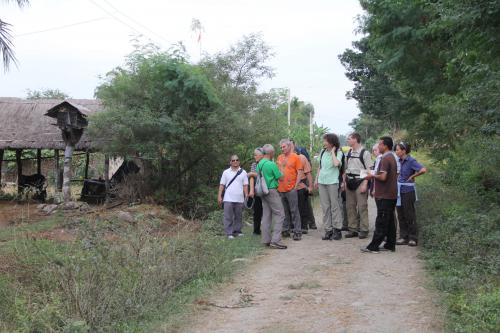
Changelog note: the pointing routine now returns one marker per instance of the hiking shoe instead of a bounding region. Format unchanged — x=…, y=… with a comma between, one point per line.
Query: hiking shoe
x=285, y=234
x=344, y=229
x=384, y=249
x=313, y=226
x=351, y=234
x=412, y=243
x=267, y=244
x=363, y=235
x=328, y=235
x=337, y=234
x=402, y=241
x=304, y=231
x=277, y=246
x=366, y=250
x=240, y=234
x=258, y=232
x=230, y=237
x=297, y=236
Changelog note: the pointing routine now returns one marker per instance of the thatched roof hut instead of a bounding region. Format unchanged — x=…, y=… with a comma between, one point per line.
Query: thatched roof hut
x=25, y=125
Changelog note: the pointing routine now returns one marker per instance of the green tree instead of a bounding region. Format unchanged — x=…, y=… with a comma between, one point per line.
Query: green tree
x=46, y=94
x=433, y=69
x=164, y=110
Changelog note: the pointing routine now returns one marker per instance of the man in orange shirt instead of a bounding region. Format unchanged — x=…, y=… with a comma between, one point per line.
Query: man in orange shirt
x=291, y=167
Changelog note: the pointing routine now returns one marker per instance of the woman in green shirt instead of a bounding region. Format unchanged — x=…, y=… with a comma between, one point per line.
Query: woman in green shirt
x=327, y=180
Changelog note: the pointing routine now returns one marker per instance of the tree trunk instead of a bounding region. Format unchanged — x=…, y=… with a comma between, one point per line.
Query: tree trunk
x=19, y=164
x=39, y=161
x=1, y=160
x=68, y=155
x=106, y=175
x=87, y=158
x=57, y=178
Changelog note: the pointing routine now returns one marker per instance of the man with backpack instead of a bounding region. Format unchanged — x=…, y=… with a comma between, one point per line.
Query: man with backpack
x=358, y=161
x=268, y=172
x=233, y=190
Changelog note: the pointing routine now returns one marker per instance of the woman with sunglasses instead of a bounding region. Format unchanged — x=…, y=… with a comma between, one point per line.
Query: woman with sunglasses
x=407, y=195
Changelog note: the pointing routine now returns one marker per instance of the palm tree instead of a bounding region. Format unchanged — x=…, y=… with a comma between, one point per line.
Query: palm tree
x=6, y=39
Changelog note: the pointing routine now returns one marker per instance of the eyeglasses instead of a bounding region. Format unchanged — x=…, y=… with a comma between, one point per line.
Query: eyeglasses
x=234, y=160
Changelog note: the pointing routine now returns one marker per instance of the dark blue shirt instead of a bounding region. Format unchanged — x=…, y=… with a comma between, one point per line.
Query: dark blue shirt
x=409, y=166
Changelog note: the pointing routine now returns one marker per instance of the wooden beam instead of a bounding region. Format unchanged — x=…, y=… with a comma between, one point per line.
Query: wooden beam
x=106, y=174
x=1, y=160
x=57, y=168
x=39, y=161
x=19, y=164
x=68, y=155
x=87, y=159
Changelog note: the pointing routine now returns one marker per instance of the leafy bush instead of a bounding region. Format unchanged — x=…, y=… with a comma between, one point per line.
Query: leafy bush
x=460, y=235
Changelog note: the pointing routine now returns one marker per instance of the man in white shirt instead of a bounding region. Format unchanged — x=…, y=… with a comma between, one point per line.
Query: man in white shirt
x=233, y=190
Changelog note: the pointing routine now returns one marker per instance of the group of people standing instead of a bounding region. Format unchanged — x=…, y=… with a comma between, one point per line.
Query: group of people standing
x=344, y=181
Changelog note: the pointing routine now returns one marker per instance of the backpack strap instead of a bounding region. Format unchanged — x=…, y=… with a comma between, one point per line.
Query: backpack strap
x=361, y=157
x=321, y=156
x=236, y=176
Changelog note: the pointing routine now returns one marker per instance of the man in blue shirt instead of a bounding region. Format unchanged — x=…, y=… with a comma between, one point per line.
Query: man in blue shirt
x=410, y=169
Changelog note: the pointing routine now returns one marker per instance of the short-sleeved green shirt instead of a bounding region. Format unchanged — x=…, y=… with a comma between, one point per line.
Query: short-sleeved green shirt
x=329, y=174
x=270, y=172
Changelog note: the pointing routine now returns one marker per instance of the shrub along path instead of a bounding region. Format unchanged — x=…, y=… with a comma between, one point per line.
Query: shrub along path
x=325, y=286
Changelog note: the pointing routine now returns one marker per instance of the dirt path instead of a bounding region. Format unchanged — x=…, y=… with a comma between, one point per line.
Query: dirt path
x=325, y=286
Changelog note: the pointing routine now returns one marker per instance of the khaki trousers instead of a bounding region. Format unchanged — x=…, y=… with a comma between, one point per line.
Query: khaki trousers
x=272, y=207
x=357, y=203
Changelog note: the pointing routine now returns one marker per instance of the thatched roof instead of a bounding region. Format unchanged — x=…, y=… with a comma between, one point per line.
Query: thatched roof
x=25, y=125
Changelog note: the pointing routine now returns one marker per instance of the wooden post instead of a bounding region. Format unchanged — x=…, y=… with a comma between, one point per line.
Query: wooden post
x=1, y=160
x=87, y=158
x=106, y=174
x=19, y=164
x=57, y=181
x=68, y=155
x=39, y=161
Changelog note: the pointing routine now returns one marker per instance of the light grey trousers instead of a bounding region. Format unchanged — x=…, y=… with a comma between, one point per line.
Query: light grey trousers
x=272, y=206
x=292, y=215
x=332, y=214
x=233, y=214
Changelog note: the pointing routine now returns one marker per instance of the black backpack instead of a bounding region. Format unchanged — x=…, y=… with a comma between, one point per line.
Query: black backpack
x=361, y=158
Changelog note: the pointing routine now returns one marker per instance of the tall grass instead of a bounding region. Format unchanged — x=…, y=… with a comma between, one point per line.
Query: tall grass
x=460, y=234
x=111, y=281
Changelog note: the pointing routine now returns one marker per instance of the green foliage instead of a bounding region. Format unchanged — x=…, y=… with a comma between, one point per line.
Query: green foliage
x=428, y=67
x=460, y=235
x=185, y=120
x=163, y=110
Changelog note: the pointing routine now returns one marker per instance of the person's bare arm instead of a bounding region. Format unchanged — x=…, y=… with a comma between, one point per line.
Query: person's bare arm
x=300, y=175
x=381, y=176
x=336, y=162
x=420, y=172
x=245, y=190
x=219, y=196
x=251, y=184
x=309, y=178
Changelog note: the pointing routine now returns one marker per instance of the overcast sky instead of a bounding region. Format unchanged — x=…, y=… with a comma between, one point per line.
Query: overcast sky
x=306, y=36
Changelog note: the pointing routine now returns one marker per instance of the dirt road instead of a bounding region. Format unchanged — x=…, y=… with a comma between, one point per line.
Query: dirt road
x=324, y=286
